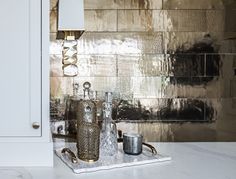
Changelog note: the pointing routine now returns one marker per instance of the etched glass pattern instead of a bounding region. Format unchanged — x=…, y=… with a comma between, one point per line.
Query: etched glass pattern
x=108, y=137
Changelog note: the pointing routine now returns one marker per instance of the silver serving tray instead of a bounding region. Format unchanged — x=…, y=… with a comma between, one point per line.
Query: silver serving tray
x=120, y=160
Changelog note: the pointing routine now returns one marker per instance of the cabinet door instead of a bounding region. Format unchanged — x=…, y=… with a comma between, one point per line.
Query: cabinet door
x=20, y=68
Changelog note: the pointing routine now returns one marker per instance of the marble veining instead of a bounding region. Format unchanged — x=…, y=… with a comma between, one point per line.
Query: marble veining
x=189, y=160
x=11, y=173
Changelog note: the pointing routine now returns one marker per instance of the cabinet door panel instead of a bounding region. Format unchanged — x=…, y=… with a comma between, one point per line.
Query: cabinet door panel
x=20, y=68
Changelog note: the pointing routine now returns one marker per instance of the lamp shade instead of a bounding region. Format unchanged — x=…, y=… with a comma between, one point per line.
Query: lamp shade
x=70, y=17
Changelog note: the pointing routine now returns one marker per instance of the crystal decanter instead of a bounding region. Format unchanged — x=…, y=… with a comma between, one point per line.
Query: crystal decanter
x=108, y=135
x=88, y=133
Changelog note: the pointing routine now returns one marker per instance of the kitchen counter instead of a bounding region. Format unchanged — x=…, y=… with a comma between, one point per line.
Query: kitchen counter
x=189, y=161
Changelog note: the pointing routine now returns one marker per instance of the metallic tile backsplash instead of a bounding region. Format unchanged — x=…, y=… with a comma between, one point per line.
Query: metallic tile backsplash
x=170, y=64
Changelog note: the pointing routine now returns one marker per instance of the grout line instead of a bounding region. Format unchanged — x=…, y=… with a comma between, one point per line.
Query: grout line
x=117, y=67
x=205, y=64
x=117, y=21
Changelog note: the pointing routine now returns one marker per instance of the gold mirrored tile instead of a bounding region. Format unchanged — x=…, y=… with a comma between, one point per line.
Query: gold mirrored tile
x=193, y=4
x=143, y=4
x=100, y=20
x=140, y=20
x=104, y=4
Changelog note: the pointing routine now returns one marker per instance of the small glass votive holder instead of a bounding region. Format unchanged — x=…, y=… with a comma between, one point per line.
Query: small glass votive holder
x=132, y=143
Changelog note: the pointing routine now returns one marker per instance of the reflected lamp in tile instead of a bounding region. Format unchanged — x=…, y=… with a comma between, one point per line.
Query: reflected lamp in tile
x=70, y=28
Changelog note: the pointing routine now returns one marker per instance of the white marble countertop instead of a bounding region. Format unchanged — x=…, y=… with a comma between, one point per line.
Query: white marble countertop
x=189, y=161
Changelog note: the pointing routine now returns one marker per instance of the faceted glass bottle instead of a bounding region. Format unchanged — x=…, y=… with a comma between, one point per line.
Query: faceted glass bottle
x=88, y=134
x=108, y=135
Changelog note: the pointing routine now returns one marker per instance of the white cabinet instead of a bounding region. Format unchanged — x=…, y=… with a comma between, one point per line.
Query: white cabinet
x=24, y=78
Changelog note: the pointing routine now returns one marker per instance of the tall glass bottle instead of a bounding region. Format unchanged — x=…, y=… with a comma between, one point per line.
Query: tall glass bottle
x=71, y=108
x=108, y=135
x=88, y=134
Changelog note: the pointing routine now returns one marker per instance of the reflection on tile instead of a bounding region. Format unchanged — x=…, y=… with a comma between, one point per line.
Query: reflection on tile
x=100, y=84
x=193, y=4
x=184, y=40
x=213, y=109
x=154, y=65
x=214, y=88
x=212, y=65
x=147, y=87
x=104, y=4
x=228, y=46
x=185, y=87
x=127, y=111
x=191, y=87
x=56, y=47
x=186, y=64
x=230, y=24
x=185, y=20
x=234, y=62
x=144, y=65
x=128, y=66
x=120, y=43
x=53, y=4
x=234, y=103
x=162, y=65
x=124, y=88
x=53, y=21
x=56, y=66
x=140, y=20
x=156, y=131
x=100, y=20
x=53, y=36
x=97, y=65
x=60, y=86
x=167, y=110
x=215, y=20
x=143, y=4
x=88, y=66
x=233, y=88
x=182, y=109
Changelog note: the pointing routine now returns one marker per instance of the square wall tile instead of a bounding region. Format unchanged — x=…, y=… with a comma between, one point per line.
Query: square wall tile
x=197, y=42
x=182, y=109
x=230, y=24
x=147, y=87
x=176, y=42
x=144, y=65
x=61, y=86
x=104, y=4
x=215, y=20
x=233, y=88
x=143, y=4
x=213, y=65
x=193, y=4
x=140, y=20
x=128, y=66
x=96, y=65
x=186, y=65
x=120, y=43
x=100, y=20
x=185, y=20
